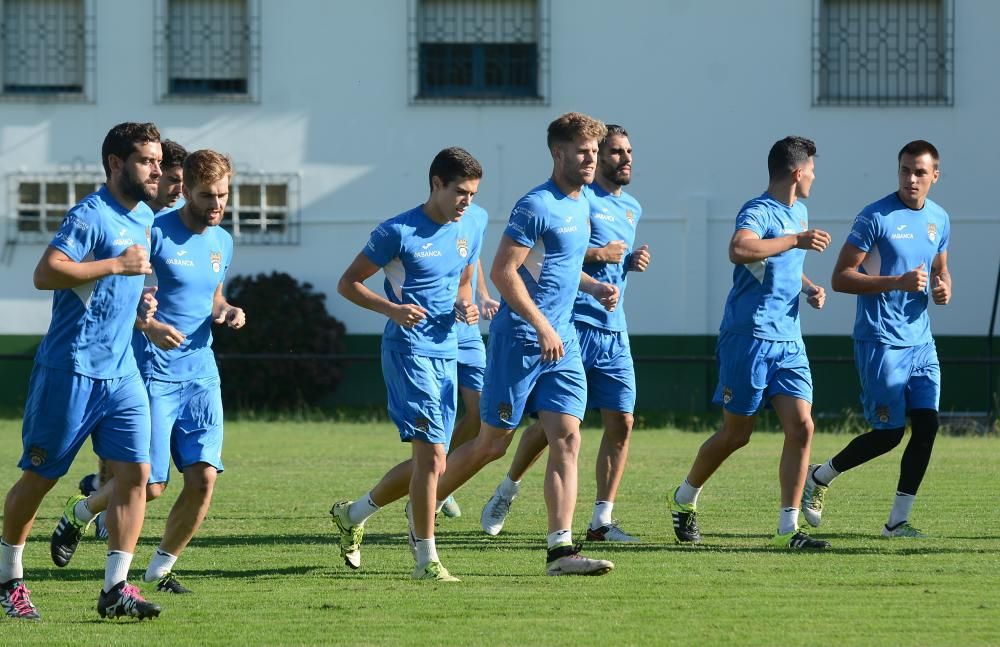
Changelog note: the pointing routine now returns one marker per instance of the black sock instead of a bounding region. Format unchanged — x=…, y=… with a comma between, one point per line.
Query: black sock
x=866, y=447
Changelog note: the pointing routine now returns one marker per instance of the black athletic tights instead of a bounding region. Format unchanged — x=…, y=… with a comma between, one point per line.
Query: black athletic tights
x=916, y=456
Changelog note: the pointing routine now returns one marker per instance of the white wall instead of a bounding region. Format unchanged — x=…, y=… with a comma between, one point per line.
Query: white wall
x=704, y=87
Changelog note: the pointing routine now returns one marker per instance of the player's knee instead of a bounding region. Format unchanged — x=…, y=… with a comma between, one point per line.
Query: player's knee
x=155, y=490
x=567, y=445
x=619, y=428
x=924, y=424
x=890, y=437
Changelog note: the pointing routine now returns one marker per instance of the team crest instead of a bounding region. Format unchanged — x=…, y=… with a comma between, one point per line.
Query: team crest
x=422, y=425
x=463, y=247
x=216, y=258
x=882, y=413
x=931, y=231
x=630, y=217
x=505, y=411
x=37, y=456
x=727, y=395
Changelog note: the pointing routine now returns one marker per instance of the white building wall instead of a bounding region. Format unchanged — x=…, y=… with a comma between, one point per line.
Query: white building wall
x=704, y=87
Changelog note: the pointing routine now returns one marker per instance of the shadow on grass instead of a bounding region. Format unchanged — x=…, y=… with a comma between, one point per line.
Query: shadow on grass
x=95, y=575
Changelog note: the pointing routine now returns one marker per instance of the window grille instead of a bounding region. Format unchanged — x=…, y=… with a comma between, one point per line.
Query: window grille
x=263, y=210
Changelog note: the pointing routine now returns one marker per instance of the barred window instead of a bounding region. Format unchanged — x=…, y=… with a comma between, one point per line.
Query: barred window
x=479, y=50
x=208, y=49
x=47, y=51
x=263, y=210
x=883, y=52
x=40, y=201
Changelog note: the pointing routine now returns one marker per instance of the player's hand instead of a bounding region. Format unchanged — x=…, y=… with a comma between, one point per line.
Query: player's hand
x=614, y=251
x=551, y=344
x=815, y=240
x=233, y=317
x=147, y=305
x=817, y=297
x=408, y=315
x=466, y=312
x=640, y=259
x=914, y=280
x=488, y=307
x=606, y=294
x=134, y=261
x=941, y=292
x=164, y=336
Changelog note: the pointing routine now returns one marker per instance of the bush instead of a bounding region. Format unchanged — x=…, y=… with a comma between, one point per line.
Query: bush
x=284, y=319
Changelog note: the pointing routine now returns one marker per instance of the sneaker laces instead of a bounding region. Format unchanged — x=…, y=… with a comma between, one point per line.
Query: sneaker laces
x=499, y=510
x=130, y=597
x=19, y=600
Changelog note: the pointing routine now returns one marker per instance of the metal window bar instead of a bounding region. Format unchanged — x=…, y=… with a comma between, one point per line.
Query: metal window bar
x=883, y=52
x=270, y=216
x=35, y=221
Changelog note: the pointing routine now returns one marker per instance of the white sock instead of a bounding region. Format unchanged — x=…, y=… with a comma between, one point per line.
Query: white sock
x=825, y=473
x=82, y=511
x=687, y=494
x=161, y=564
x=439, y=505
x=509, y=488
x=362, y=509
x=901, y=507
x=602, y=514
x=788, y=520
x=10, y=562
x=116, y=568
x=426, y=551
x=560, y=538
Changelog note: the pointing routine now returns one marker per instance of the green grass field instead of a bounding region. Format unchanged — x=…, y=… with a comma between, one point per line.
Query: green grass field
x=266, y=571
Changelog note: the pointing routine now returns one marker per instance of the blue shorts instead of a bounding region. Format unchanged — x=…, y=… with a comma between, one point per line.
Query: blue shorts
x=896, y=379
x=607, y=359
x=752, y=371
x=518, y=382
x=64, y=408
x=187, y=425
x=471, y=363
x=423, y=396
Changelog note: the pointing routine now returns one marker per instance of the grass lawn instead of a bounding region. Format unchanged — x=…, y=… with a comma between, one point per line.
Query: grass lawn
x=266, y=571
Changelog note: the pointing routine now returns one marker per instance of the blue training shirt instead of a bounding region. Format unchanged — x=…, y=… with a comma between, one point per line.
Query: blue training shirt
x=764, y=299
x=189, y=268
x=897, y=239
x=557, y=229
x=477, y=219
x=611, y=218
x=91, y=328
x=423, y=264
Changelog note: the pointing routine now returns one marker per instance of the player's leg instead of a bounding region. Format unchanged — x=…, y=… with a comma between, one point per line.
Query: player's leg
x=466, y=428
x=429, y=461
x=795, y=414
x=530, y=448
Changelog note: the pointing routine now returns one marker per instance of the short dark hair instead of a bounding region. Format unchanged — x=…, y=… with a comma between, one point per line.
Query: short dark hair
x=173, y=154
x=123, y=140
x=613, y=129
x=452, y=164
x=788, y=154
x=917, y=148
x=568, y=126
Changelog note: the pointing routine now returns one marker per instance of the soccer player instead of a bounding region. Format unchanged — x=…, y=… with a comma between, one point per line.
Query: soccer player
x=885, y=261
x=190, y=256
x=533, y=359
x=85, y=381
x=760, y=352
x=604, y=343
x=427, y=255
x=471, y=356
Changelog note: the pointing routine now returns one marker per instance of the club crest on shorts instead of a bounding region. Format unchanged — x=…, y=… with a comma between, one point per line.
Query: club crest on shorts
x=882, y=413
x=37, y=456
x=931, y=232
x=463, y=247
x=422, y=425
x=630, y=217
x=727, y=395
x=216, y=258
x=505, y=411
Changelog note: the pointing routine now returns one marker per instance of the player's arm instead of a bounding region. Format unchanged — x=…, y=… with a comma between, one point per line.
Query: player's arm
x=847, y=278
x=488, y=306
x=815, y=294
x=352, y=287
x=465, y=308
x=605, y=293
x=613, y=252
x=225, y=313
x=57, y=271
x=509, y=257
x=747, y=246
x=940, y=279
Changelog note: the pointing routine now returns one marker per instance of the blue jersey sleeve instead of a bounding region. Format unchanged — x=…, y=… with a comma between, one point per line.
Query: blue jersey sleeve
x=383, y=245
x=526, y=224
x=78, y=234
x=228, y=257
x=756, y=220
x=864, y=231
x=945, y=236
